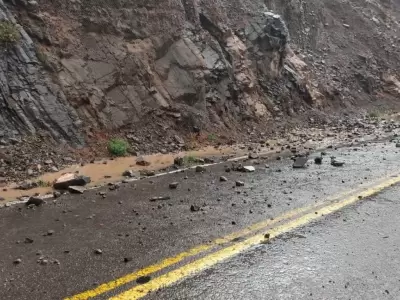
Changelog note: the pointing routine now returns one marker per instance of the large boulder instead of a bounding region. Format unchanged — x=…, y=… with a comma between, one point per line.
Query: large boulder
x=70, y=179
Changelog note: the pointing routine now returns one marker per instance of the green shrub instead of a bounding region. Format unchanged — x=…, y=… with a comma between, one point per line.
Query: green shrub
x=117, y=147
x=9, y=33
x=212, y=137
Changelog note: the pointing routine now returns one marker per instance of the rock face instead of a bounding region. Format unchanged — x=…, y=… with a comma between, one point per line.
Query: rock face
x=190, y=64
x=30, y=101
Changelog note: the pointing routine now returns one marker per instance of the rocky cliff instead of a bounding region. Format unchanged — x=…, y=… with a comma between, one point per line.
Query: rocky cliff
x=152, y=68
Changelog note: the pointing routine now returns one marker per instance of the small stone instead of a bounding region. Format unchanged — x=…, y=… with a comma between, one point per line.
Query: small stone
x=98, y=251
x=200, y=169
x=141, y=161
x=179, y=161
x=128, y=259
x=28, y=241
x=50, y=232
x=300, y=162
x=336, y=163
x=48, y=162
x=253, y=156
x=36, y=201
x=318, y=160
x=128, y=173
x=249, y=169
x=173, y=185
x=56, y=194
x=76, y=189
x=194, y=208
x=17, y=261
x=54, y=169
x=397, y=145
x=239, y=183
x=147, y=173
x=223, y=179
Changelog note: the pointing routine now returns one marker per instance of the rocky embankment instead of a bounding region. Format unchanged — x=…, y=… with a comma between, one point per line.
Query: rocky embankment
x=177, y=75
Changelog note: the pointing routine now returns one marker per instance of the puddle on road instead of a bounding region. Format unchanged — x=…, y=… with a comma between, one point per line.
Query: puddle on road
x=101, y=173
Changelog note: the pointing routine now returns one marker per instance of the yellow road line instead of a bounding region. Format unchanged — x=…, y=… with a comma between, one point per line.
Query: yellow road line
x=103, y=288
x=216, y=257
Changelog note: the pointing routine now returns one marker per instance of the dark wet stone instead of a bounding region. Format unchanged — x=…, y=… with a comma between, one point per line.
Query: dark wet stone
x=67, y=180
x=318, y=160
x=200, y=169
x=194, y=208
x=300, y=162
x=143, y=279
x=223, y=179
x=76, y=189
x=173, y=185
x=141, y=161
x=36, y=201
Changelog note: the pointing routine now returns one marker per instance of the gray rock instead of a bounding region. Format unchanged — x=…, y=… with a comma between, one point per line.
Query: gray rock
x=161, y=198
x=300, y=162
x=56, y=194
x=141, y=161
x=36, y=201
x=194, y=208
x=179, y=161
x=239, y=183
x=76, y=189
x=17, y=261
x=128, y=173
x=54, y=169
x=336, y=163
x=397, y=145
x=48, y=162
x=98, y=251
x=147, y=173
x=223, y=179
x=173, y=185
x=253, y=156
x=70, y=179
x=200, y=169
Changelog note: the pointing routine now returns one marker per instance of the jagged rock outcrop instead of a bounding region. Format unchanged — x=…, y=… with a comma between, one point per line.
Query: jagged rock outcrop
x=30, y=102
x=189, y=64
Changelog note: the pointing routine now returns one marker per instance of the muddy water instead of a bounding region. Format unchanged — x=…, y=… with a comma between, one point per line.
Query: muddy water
x=107, y=170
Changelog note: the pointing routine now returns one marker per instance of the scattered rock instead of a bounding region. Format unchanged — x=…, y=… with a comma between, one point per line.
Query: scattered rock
x=54, y=169
x=248, y=169
x=397, y=145
x=50, y=232
x=194, y=208
x=128, y=259
x=173, y=185
x=27, y=185
x=28, y=241
x=160, y=198
x=179, y=161
x=200, y=169
x=227, y=169
x=141, y=161
x=318, y=160
x=75, y=189
x=48, y=162
x=147, y=173
x=17, y=261
x=239, y=183
x=253, y=156
x=223, y=179
x=300, y=162
x=36, y=201
x=56, y=194
x=70, y=179
x=98, y=251
x=143, y=279
x=336, y=163
x=128, y=173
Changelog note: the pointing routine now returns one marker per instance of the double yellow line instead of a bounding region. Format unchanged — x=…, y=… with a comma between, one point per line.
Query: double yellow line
x=295, y=218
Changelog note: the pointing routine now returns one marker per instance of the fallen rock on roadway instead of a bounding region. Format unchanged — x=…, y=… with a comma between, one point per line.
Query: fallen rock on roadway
x=70, y=179
x=160, y=198
x=37, y=201
x=300, y=162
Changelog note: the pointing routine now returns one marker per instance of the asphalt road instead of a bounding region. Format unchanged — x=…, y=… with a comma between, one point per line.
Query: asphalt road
x=350, y=254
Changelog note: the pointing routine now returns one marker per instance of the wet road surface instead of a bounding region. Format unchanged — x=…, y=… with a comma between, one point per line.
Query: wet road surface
x=352, y=254
x=133, y=233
